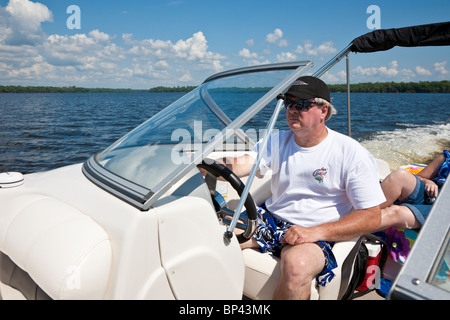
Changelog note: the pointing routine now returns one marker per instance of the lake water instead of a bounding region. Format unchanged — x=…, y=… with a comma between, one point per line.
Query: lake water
x=45, y=131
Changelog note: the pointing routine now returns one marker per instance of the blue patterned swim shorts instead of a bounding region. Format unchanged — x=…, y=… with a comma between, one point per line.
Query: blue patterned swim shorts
x=269, y=233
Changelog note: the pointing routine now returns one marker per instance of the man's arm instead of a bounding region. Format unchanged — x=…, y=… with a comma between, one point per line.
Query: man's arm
x=241, y=166
x=353, y=225
x=430, y=172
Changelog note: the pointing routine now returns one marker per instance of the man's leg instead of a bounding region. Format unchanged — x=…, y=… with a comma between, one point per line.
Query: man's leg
x=250, y=244
x=299, y=266
x=398, y=186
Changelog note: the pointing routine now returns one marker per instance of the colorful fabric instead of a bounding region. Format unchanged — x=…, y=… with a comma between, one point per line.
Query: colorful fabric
x=443, y=170
x=400, y=242
x=270, y=232
x=414, y=168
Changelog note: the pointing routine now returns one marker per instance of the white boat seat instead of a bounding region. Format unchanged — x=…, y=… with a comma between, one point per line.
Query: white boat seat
x=65, y=252
x=262, y=273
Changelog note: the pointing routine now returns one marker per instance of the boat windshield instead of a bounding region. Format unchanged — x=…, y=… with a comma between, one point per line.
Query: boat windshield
x=153, y=151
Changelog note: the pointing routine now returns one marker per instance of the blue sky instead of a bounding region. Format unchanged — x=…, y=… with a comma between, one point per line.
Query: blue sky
x=141, y=44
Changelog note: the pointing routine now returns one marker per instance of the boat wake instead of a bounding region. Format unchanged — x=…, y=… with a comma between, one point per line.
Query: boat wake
x=411, y=144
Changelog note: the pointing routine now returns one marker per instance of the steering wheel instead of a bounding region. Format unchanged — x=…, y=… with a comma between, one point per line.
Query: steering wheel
x=215, y=170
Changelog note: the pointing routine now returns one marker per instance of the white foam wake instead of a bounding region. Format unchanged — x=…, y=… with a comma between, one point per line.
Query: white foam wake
x=413, y=144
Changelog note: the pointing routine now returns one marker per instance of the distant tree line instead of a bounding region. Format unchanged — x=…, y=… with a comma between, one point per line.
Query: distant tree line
x=172, y=89
x=45, y=89
x=395, y=87
x=368, y=87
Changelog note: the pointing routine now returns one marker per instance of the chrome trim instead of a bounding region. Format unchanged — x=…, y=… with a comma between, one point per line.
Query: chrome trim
x=327, y=66
x=259, y=68
x=209, y=101
x=261, y=151
x=117, y=186
x=251, y=228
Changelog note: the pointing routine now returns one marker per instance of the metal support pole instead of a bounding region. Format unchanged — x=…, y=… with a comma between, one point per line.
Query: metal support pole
x=349, y=125
x=262, y=149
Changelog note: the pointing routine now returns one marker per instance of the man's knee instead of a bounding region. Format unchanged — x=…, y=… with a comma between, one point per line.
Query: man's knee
x=406, y=182
x=401, y=177
x=302, y=264
x=401, y=174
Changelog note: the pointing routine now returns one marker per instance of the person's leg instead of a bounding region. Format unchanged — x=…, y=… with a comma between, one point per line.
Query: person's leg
x=398, y=186
x=398, y=216
x=299, y=266
x=250, y=244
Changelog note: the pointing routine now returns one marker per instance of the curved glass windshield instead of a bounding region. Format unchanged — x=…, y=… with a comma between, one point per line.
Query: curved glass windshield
x=151, y=152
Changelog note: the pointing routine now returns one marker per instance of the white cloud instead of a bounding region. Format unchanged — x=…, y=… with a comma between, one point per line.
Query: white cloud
x=162, y=64
x=28, y=56
x=193, y=49
x=440, y=67
x=384, y=71
x=251, y=58
x=86, y=59
x=283, y=43
x=323, y=49
x=156, y=60
x=21, y=22
x=307, y=49
x=339, y=77
x=330, y=78
x=276, y=37
x=245, y=53
x=299, y=49
x=186, y=77
x=81, y=50
x=286, y=57
x=392, y=72
x=28, y=15
x=422, y=71
x=250, y=42
x=128, y=39
x=99, y=36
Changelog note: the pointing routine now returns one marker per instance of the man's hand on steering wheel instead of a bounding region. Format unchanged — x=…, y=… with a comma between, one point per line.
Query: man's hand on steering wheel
x=212, y=170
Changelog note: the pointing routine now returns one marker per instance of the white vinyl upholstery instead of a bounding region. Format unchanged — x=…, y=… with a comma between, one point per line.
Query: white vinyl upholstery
x=262, y=273
x=64, y=251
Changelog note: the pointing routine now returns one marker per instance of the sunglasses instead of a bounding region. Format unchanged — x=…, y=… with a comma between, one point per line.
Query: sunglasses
x=300, y=105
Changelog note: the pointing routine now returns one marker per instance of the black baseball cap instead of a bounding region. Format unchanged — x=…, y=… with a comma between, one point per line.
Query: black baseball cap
x=308, y=87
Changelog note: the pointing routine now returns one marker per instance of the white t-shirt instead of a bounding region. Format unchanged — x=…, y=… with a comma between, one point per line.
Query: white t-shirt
x=311, y=186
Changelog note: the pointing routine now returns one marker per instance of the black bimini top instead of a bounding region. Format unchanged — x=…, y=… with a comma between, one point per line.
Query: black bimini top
x=435, y=34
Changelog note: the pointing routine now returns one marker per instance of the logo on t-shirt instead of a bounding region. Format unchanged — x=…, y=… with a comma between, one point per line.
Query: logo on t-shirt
x=320, y=174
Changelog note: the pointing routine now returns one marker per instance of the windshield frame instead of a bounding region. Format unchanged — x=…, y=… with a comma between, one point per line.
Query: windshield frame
x=144, y=198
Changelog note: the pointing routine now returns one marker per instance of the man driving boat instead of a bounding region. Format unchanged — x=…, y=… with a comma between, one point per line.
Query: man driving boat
x=324, y=185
